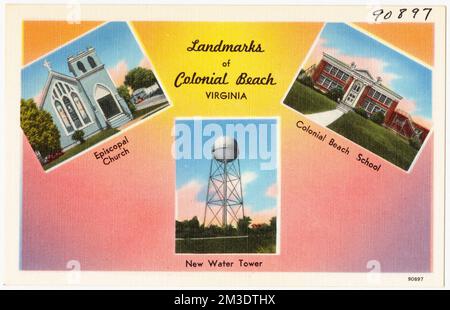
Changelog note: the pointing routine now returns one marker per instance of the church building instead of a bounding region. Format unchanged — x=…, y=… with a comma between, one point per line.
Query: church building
x=86, y=101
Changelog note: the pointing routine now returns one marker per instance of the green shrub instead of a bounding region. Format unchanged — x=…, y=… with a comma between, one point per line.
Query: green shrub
x=361, y=112
x=377, y=118
x=415, y=142
x=78, y=136
x=335, y=94
x=307, y=81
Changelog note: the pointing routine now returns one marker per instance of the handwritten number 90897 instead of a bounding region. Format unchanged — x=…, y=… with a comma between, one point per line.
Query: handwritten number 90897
x=416, y=13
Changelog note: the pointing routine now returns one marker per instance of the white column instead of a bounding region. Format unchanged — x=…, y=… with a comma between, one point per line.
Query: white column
x=348, y=89
x=364, y=85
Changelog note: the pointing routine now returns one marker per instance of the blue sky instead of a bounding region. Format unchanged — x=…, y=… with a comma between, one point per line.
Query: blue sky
x=258, y=180
x=408, y=78
x=114, y=42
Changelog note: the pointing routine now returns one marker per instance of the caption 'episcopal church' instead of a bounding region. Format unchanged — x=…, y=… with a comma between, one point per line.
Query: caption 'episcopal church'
x=88, y=101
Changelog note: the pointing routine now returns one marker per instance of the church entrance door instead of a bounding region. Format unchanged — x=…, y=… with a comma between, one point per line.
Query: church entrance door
x=109, y=106
x=106, y=102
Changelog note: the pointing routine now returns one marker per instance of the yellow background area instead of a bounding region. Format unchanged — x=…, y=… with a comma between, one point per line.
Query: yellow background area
x=166, y=45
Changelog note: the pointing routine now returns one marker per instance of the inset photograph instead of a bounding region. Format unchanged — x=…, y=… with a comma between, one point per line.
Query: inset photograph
x=227, y=185
x=85, y=92
x=367, y=92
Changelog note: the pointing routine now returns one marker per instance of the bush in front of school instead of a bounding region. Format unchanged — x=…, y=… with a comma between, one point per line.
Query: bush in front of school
x=307, y=81
x=415, y=142
x=361, y=112
x=377, y=118
x=335, y=94
x=78, y=136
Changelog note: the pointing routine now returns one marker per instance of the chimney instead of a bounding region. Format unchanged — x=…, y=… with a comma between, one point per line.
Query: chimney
x=353, y=66
x=379, y=80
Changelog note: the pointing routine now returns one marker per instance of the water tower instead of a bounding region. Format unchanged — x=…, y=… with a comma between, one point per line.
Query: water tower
x=224, y=200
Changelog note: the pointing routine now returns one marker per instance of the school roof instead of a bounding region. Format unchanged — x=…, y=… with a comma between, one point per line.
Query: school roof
x=364, y=74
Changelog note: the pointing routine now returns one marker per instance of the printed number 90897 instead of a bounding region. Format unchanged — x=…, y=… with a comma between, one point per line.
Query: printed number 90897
x=415, y=279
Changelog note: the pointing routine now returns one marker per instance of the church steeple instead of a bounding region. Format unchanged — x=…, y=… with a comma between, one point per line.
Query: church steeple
x=83, y=62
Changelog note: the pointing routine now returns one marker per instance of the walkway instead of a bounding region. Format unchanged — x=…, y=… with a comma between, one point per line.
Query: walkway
x=327, y=117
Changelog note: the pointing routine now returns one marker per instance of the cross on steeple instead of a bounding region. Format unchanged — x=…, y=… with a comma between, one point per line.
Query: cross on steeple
x=47, y=65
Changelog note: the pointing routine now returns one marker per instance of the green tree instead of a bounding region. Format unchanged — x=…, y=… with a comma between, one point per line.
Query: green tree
x=378, y=118
x=139, y=77
x=273, y=223
x=243, y=224
x=307, y=81
x=335, y=94
x=361, y=112
x=415, y=142
x=78, y=136
x=125, y=94
x=39, y=128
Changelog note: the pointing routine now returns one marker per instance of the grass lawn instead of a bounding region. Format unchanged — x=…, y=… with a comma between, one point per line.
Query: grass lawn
x=307, y=100
x=375, y=138
x=145, y=111
x=251, y=244
x=81, y=147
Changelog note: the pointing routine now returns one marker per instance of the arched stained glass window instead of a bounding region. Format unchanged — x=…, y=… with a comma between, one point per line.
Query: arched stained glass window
x=58, y=89
x=62, y=88
x=72, y=113
x=64, y=118
x=80, y=107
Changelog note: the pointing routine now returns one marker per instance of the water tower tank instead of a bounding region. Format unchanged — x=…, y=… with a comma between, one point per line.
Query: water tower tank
x=225, y=149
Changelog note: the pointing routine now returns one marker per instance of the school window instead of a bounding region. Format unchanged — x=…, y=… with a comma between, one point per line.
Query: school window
x=371, y=107
x=321, y=79
x=388, y=102
x=334, y=71
x=328, y=83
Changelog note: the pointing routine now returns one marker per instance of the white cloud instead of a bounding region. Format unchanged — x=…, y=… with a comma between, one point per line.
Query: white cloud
x=375, y=66
x=248, y=177
x=407, y=105
x=260, y=217
x=188, y=204
x=38, y=97
x=118, y=72
x=272, y=191
x=145, y=63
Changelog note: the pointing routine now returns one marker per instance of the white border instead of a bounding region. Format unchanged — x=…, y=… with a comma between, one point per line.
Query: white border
x=196, y=280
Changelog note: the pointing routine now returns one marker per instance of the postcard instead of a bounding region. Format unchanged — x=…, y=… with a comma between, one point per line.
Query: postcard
x=186, y=146
x=227, y=195
x=86, y=91
x=351, y=83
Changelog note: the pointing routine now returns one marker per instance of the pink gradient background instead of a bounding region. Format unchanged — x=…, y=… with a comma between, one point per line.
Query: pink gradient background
x=336, y=215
